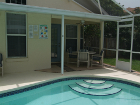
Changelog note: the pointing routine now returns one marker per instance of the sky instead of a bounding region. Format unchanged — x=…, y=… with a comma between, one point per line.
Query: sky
x=129, y=3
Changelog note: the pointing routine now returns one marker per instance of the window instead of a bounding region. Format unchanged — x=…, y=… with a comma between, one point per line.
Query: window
x=71, y=37
x=16, y=1
x=16, y=35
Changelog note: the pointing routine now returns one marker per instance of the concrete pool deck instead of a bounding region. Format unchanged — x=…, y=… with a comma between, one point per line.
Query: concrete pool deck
x=21, y=79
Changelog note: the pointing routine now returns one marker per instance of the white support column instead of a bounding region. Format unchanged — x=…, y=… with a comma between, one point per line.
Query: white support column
x=62, y=45
x=102, y=36
x=79, y=36
x=117, y=44
x=132, y=36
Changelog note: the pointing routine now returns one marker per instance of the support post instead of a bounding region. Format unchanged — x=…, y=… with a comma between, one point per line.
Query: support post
x=79, y=37
x=117, y=45
x=132, y=36
x=62, y=45
x=102, y=36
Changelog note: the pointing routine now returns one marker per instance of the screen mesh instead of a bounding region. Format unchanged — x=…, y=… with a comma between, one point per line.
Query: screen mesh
x=71, y=31
x=16, y=46
x=112, y=8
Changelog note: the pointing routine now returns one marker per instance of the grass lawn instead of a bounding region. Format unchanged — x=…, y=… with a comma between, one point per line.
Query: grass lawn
x=112, y=61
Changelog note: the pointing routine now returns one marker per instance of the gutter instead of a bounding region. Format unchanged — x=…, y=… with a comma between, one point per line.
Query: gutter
x=53, y=11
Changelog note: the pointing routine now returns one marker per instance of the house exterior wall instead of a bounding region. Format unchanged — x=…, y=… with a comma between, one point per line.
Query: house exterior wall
x=58, y=4
x=38, y=50
x=2, y=0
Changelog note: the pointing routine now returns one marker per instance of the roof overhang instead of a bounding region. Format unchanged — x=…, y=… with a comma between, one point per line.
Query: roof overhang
x=53, y=11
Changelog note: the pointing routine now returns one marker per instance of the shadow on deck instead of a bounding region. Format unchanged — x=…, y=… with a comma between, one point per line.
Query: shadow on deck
x=56, y=68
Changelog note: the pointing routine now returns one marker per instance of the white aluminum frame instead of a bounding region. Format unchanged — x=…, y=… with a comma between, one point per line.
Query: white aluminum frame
x=103, y=11
x=53, y=11
x=99, y=6
x=62, y=45
x=135, y=52
x=132, y=36
x=15, y=34
x=118, y=64
x=124, y=19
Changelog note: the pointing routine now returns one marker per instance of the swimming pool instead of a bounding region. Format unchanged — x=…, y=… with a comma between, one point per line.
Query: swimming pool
x=77, y=91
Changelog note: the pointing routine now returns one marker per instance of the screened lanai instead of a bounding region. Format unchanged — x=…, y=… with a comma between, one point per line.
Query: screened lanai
x=119, y=42
x=103, y=11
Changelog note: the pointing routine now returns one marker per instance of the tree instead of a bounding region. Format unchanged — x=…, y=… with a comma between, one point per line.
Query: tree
x=111, y=8
x=110, y=29
x=136, y=42
x=91, y=32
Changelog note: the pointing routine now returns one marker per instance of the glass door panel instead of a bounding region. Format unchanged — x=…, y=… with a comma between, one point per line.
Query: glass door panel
x=55, y=43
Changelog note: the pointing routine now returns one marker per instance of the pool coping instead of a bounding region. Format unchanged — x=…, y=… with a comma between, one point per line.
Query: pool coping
x=65, y=78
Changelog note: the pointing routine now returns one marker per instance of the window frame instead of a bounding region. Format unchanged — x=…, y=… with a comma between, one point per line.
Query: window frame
x=17, y=3
x=71, y=38
x=15, y=34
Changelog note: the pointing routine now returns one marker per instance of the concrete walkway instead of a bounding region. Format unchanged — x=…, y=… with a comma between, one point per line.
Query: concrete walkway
x=23, y=79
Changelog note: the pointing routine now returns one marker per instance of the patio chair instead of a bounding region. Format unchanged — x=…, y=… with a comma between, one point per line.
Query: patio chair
x=83, y=56
x=1, y=63
x=71, y=55
x=97, y=57
x=89, y=48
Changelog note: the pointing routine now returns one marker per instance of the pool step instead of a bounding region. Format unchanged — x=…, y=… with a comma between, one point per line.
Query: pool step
x=95, y=81
x=94, y=86
x=94, y=92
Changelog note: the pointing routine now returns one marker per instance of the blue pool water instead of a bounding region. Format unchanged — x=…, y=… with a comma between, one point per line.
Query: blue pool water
x=77, y=92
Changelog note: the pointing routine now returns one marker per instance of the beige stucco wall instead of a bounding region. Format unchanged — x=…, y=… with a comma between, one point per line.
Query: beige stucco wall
x=38, y=50
x=58, y=4
x=2, y=0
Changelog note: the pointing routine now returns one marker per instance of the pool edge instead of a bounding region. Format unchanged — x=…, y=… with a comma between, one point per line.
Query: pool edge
x=66, y=77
